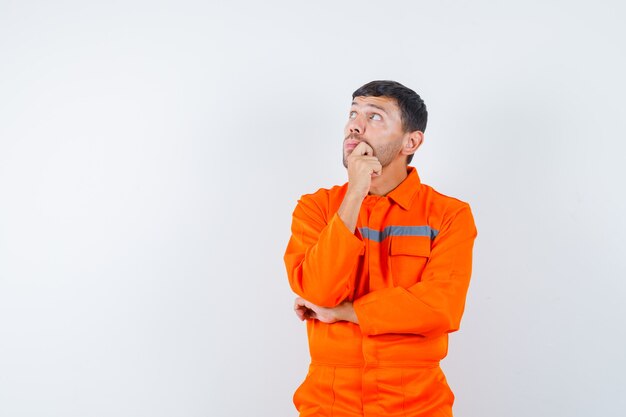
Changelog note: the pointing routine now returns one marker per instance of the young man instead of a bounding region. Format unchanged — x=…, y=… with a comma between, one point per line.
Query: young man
x=382, y=266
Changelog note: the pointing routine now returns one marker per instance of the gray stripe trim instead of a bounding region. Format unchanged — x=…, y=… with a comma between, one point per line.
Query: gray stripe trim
x=379, y=236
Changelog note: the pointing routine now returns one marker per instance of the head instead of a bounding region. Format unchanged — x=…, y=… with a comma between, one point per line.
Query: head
x=398, y=129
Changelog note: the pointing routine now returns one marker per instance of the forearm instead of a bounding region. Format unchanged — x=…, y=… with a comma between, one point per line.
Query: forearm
x=426, y=310
x=349, y=210
x=434, y=304
x=323, y=271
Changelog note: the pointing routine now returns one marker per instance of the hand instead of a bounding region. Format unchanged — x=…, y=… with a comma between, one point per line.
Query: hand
x=306, y=310
x=362, y=165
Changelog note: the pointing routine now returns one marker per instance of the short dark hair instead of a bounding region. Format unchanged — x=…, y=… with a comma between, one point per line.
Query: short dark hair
x=412, y=108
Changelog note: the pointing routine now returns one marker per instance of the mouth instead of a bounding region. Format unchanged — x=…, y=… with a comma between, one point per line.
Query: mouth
x=349, y=144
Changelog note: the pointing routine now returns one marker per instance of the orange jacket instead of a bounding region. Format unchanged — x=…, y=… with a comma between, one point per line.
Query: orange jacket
x=406, y=268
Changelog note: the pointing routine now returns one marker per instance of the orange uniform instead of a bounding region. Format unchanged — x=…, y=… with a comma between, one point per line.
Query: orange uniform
x=406, y=269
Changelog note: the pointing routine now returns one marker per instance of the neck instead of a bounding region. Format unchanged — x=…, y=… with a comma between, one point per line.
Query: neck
x=392, y=175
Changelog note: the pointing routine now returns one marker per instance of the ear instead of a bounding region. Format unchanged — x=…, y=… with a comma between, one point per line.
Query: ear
x=412, y=142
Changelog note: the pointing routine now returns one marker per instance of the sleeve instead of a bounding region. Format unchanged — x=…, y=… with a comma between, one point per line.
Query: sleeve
x=434, y=305
x=321, y=256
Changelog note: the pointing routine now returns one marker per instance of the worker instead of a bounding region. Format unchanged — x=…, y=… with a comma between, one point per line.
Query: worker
x=381, y=266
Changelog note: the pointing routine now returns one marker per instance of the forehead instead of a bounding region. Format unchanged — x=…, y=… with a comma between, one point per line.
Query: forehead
x=388, y=104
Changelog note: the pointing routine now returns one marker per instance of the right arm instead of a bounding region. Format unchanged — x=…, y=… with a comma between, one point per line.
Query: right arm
x=322, y=255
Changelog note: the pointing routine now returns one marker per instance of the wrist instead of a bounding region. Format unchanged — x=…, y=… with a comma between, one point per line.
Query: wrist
x=348, y=314
x=355, y=196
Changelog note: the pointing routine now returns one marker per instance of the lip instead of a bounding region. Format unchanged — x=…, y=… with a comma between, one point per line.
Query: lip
x=350, y=144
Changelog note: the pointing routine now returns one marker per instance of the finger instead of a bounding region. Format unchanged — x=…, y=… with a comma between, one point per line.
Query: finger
x=363, y=149
x=301, y=314
x=310, y=315
x=298, y=302
x=371, y=166
x=377, y=169
x=309, y=304
x=366, y=158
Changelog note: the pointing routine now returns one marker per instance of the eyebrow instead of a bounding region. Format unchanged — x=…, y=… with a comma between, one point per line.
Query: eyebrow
x=354, y=103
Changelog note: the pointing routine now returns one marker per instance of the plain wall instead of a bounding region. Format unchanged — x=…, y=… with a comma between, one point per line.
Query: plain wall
x=152, y=152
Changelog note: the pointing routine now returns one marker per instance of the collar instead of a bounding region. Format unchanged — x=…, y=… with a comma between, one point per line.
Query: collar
x=404, y=193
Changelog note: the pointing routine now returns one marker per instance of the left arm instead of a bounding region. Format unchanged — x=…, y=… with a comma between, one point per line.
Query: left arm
x=434, y=305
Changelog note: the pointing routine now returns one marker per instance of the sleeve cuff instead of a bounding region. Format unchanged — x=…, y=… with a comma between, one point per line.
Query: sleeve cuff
x=349, y=239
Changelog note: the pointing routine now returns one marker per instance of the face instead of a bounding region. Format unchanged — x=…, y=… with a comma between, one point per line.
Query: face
x=376, y=121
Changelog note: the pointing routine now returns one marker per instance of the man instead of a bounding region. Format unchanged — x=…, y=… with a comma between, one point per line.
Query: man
x=382, y=267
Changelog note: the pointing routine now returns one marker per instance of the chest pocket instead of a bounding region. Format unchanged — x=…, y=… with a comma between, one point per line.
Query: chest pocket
x=408, y=256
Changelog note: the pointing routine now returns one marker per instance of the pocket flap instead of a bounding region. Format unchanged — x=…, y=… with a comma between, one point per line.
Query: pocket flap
x=410, y=245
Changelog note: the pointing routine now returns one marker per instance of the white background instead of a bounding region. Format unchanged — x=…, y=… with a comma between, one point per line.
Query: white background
x=151, y=154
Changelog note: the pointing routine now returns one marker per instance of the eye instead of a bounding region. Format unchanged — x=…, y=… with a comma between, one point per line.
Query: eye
x=352, y=115
x=376, y=116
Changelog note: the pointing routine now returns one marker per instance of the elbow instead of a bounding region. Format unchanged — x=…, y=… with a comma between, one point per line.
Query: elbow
x=443, y=322
x=319, y=296
x=323, y=296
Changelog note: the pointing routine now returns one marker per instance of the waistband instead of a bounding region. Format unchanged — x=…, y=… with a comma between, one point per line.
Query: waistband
x=386, y=364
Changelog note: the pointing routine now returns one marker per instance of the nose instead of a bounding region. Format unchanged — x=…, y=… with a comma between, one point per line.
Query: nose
x=356, y=125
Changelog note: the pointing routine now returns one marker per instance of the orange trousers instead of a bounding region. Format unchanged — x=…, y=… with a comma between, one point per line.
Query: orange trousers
x=339, y=391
